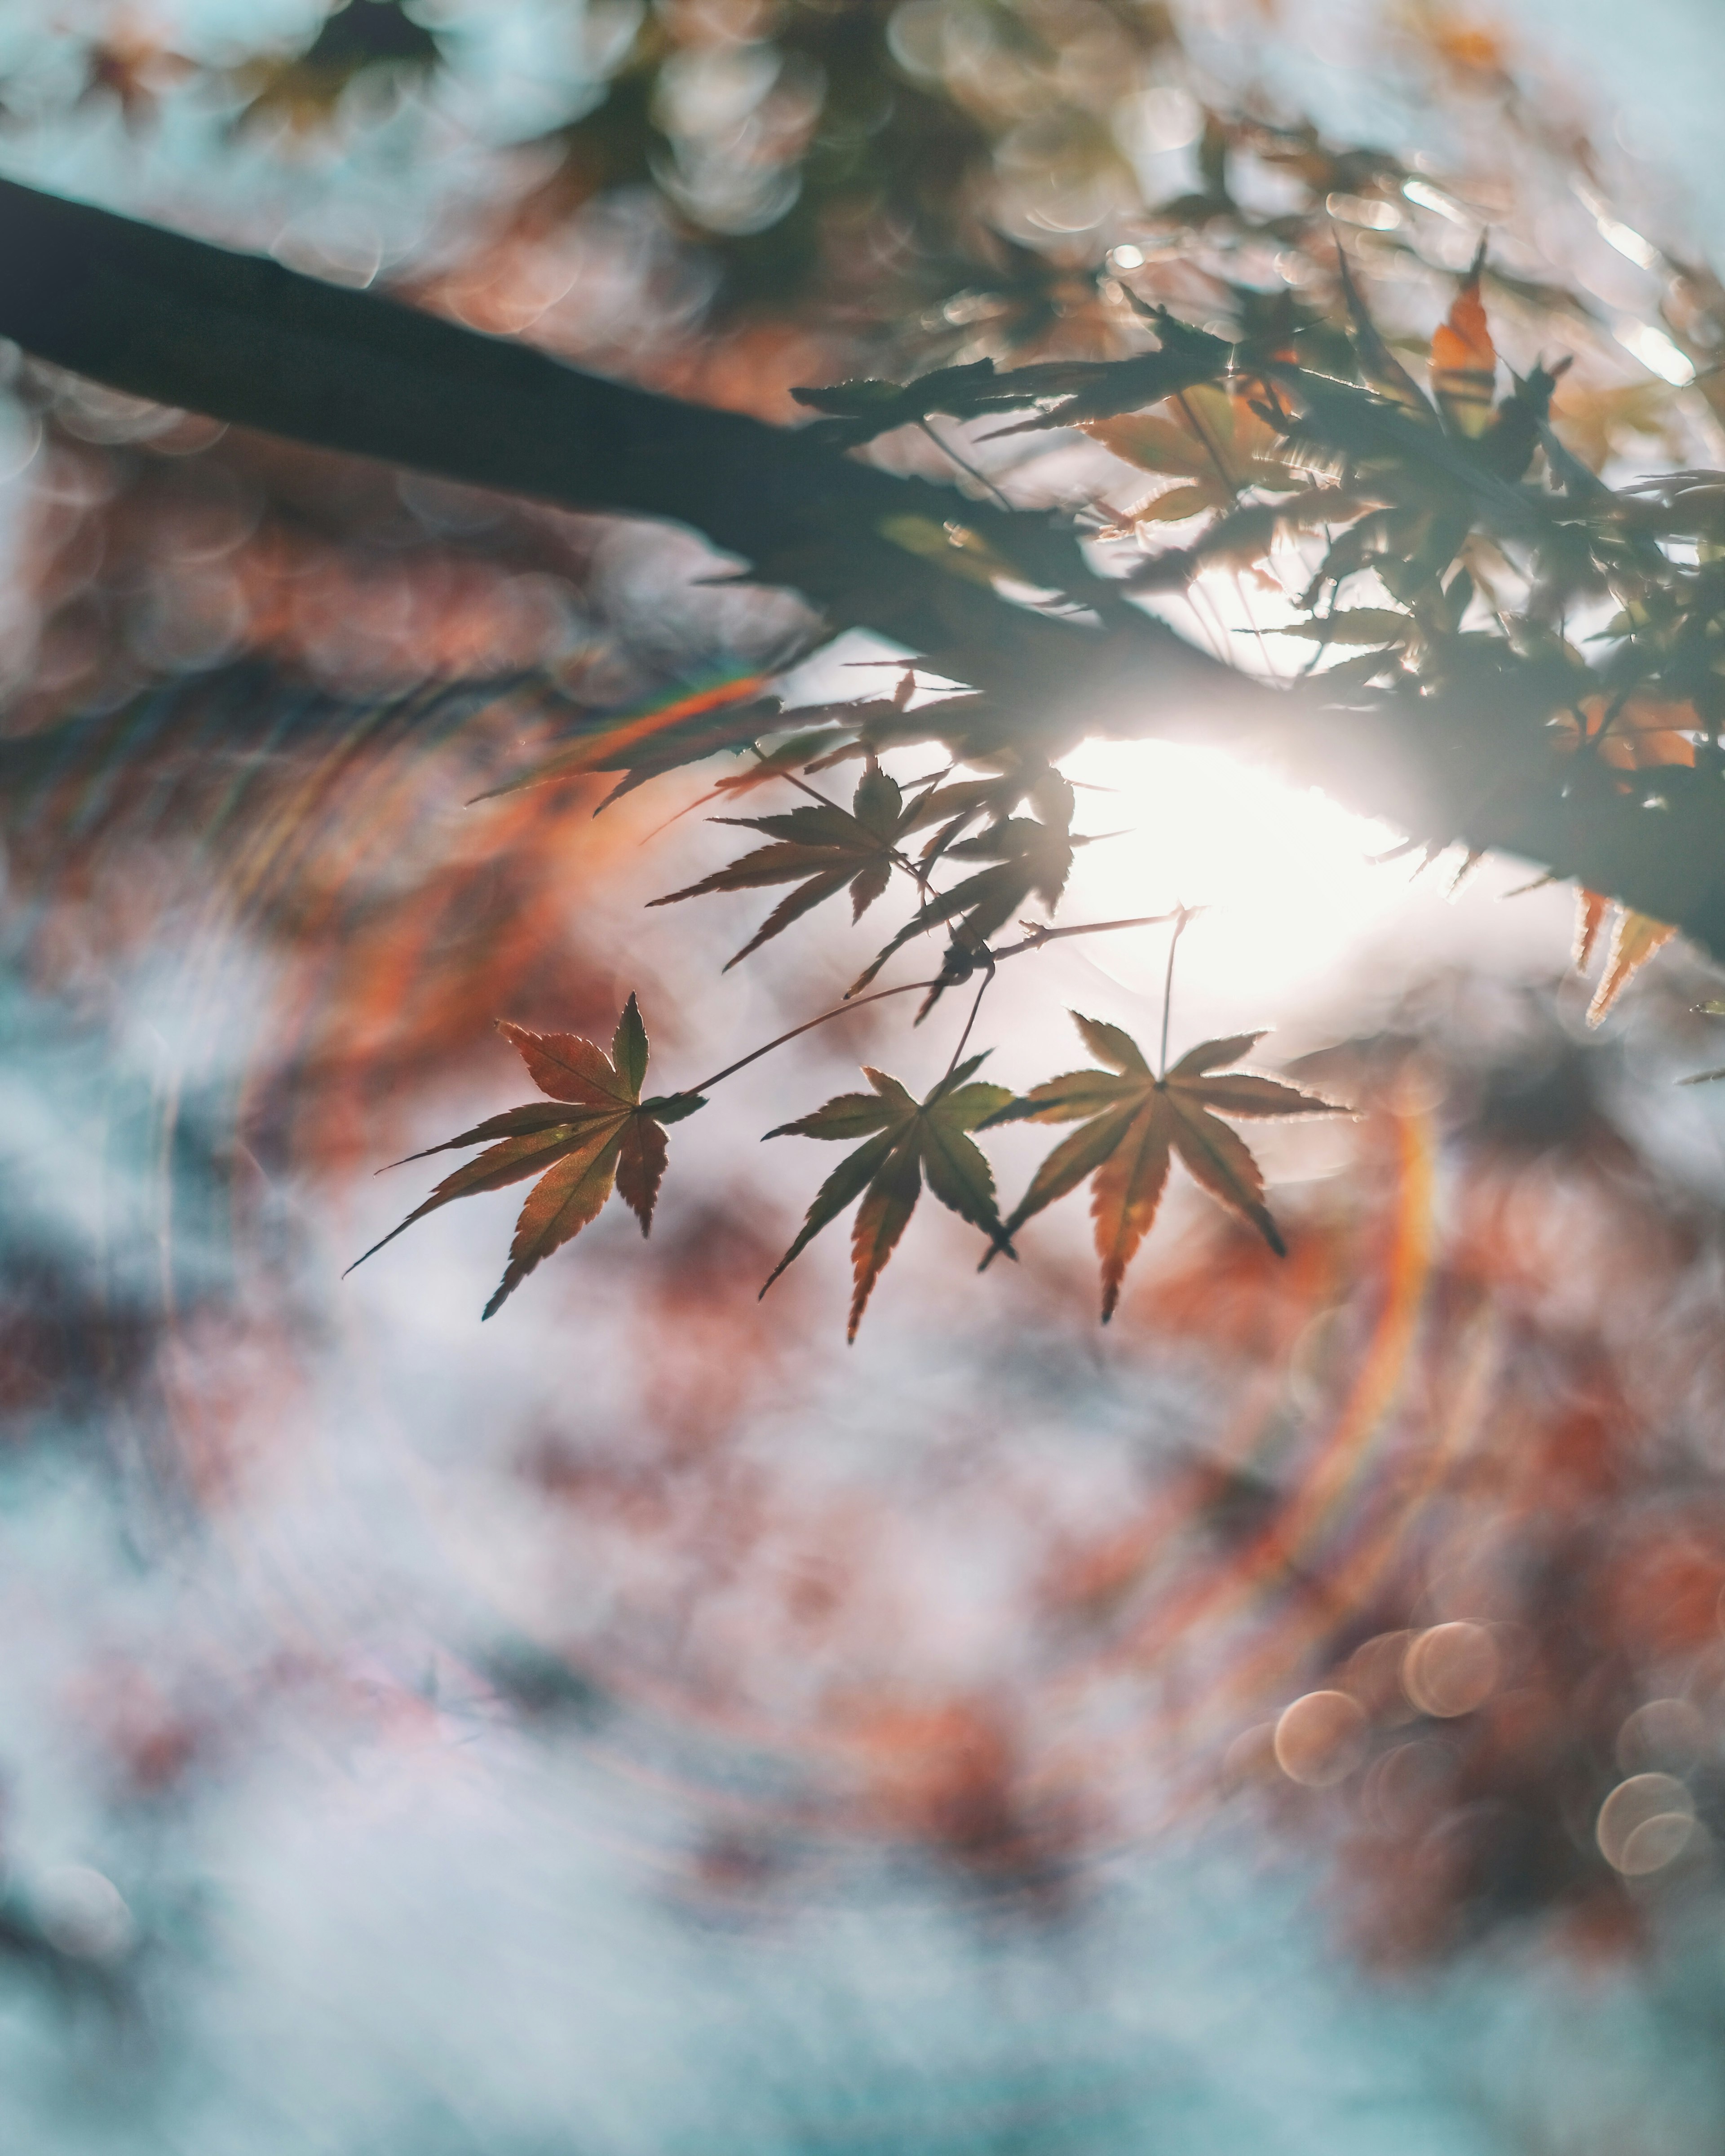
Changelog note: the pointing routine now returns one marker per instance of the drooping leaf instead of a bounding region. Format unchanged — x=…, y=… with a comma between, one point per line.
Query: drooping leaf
x=1135, y=1123
x=594, y=1133
x=823, y=850
x=1031, y=856
x=905, y=1140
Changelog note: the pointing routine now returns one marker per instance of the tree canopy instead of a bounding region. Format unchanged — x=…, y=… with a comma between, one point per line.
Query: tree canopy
x=1337, y=382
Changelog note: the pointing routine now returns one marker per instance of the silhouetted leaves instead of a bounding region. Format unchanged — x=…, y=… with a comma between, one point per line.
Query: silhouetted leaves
x=594, y=1133
x=825, y=850
x=1029, y=857
x=1135, y=1123
x=856, y=412
x=905, y=1140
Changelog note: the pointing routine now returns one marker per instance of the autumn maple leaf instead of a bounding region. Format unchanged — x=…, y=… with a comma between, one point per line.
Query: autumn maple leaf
x=906, y=1139
x=1464, y=360
x=823, y=850
x=594, y=1133
x=1135, y=1122
x=1029, y=857
x=1213, y=441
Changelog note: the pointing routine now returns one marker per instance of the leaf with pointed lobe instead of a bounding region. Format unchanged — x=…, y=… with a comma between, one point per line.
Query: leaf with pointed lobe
x=908, y=1139
x=1378, y=626
x=594, y=1134
x=569, y=1068
x=1634, y=938
x=1591, y=907
x=1135, y=1124
x=561, y=1204
x=1030, y=857
x=822, y=849
x=1101, y=389
x=1464, y=360
x=855, y=412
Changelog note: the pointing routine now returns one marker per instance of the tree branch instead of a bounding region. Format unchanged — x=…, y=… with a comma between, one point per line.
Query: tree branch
x=245, y=340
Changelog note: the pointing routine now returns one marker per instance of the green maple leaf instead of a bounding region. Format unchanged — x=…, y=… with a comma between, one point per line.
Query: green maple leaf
x=1135, y=1123
x=823, y=850
x=593, y=1134
x=906, y=1139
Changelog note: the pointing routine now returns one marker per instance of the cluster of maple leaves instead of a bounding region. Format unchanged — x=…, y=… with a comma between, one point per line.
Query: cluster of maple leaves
x=1413, y=488
x=594, y=1133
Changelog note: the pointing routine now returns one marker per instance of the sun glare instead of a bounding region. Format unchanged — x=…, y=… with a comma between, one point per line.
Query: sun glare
x=1298, y=895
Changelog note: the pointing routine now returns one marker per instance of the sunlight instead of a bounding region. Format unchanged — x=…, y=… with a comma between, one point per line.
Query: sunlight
x=1299, y=898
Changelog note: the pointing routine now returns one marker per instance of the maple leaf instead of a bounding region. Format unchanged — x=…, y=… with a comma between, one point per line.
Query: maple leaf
x=1215, y=442
x=823, y=849
x=1464, y=360
x=1135, y=1122
x=857, y=411
x=906, y=1139
x=1099, y=389
x=1029, y=856
x=593, y=1134
x=1634, y=938
x=1373, y=625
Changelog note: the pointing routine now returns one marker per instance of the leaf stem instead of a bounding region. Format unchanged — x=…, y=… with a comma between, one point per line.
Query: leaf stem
x=947, y=449
x=807, y=1026
x=1182, y=915
x=1033, y=941
x=982, y=987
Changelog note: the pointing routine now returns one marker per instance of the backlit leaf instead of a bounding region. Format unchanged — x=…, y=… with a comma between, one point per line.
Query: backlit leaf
x=1634, y=938
x=823, y=850
x=1464, y=360
x=910, y=1139
x=594, y=1134
x=1135, y=1123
